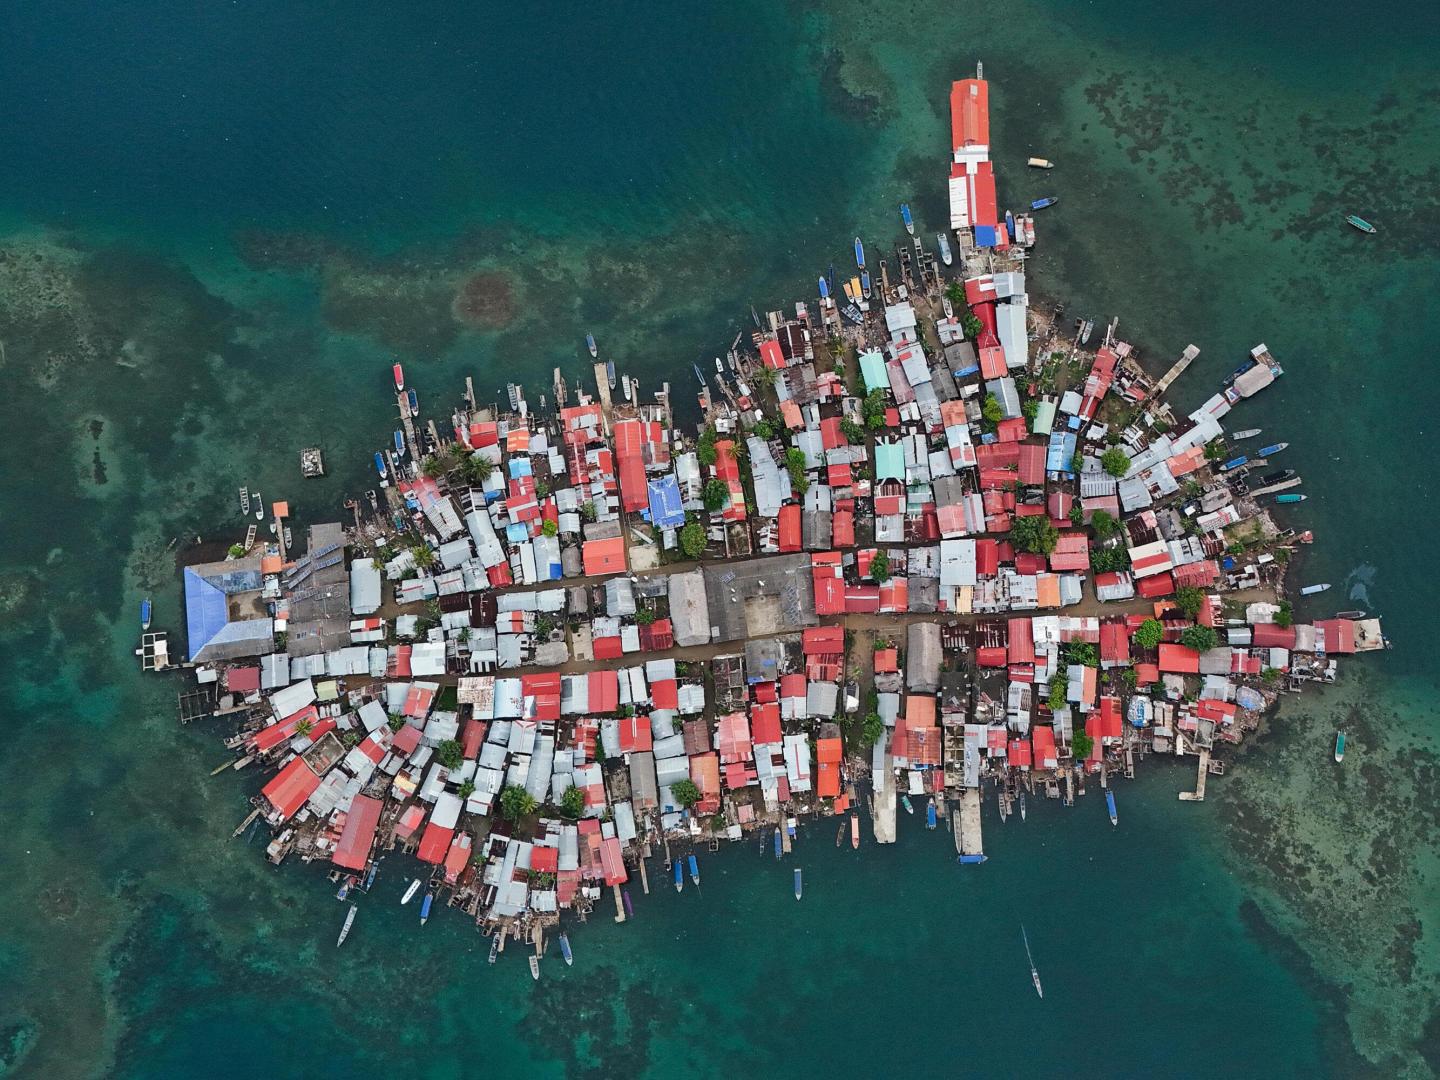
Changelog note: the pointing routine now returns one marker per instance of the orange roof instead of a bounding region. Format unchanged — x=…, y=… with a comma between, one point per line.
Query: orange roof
x=291, y=787
x=280, y=509
x=919, y=710
x=827, y=773
x=603, y=556
x=969, y=113
x=271, y=564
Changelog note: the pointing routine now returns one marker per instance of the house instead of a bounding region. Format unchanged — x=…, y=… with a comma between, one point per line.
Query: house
x=225, y=613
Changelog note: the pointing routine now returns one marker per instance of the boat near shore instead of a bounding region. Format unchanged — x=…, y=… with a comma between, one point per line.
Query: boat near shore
x=411, y=891
x=1248, y=433
x=907, y=219
x=679, y=876
x=1040, y=163
x=1041, y=204
x=145, y=612
x=565, y=949
x=945, y=255
x=1311, y=590
x=859, y=254
x=349, y=922
x=1110, y=806
x=425, y=908
x=534, y=967
x=590, y=344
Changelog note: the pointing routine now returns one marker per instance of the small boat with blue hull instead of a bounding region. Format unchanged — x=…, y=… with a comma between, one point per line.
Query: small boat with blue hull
x=1289, y=497
x=824, y=288
x=694, y=870
x=565, y=949
x=1266, y=451
x=1010, y=225
x=1234, y=463
x=145, y=614
x=972, y=860
x=1041, y=204
x=380, y=466
x=1110, y=806
x=859, y=254
x=865, y=283
x=907, y=219
x=779, y=844
x=400, y=442
x=930, y=819
x=610, y=373
x=370, y=876
x=679, y=876
x=413, y=400
x=425, y=907
x=799, y=884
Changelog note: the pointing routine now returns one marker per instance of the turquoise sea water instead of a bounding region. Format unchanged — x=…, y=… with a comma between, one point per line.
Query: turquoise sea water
x=220, y=224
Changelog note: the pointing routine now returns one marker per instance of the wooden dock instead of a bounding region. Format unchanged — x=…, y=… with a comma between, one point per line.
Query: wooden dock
x=882, y=815
x=1176, y=370
x=1198, y=795
x=971, y=842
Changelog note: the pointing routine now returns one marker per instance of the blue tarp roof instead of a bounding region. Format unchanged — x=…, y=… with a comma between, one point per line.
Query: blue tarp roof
x=519, y=466
x=666, y=511
x=985, y=236
x=1060, y=452
x=206, y=612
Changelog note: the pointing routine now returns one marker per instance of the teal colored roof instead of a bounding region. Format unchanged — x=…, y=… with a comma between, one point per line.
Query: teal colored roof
x=889, y=462
x=872, y=370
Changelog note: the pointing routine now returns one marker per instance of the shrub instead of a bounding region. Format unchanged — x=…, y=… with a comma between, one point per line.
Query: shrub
x=516, y=802
x=1115, y=462
x=685, y=792
x=450, y=753
x=1200, y=638
x=1149, y=633
x=1035, y=534
x=715, y=494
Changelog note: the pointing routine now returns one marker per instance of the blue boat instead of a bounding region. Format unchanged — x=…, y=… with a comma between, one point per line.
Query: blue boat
x=679, y=876
x=1274, y=449
x=1010, y=224
x=972, y=860
x=1110, y=805
x=400, y=442
x=824, y=289
x=413, y=401
x=865, y=282
x=907, y=219
x=380, y=465
x=1289, y=497
x=694, y=869
x=790, y=827
x=1041, y=204
x=930, y=819
x=778, y=844
x=859, y=254
x=145, y=614
x=425, y=908
x=1234, y=463
x=799, y=884
x=370, y=877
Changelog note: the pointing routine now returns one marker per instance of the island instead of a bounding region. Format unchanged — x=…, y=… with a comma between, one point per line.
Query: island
x=929, y=547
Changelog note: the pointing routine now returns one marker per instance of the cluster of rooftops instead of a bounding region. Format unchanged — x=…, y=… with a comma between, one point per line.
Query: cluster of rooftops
x=941, y=569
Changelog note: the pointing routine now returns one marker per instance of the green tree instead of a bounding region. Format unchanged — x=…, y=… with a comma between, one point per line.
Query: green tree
x=880, y=566
x=1149, y=633
x=716, y=494
x=1077, y=515
x=1104, y=524
x=395, y=722
x=873, y=409
x=766, y=376
x=706, y=451
x=587, y=510
x=972, y=325
x=572, y=803
x=645, y=616
x=1199, y=638
x=1115, y=462
x=1029, y=410
x=304, y=727
x=871, y=730
x=1103, y=560
x=1081, y=745
x=1058, y=690
x=1215, y=451
x=853, y=432
x=1077, y=461
x=1083, y=653
x=764, y=430
x=423, y=555
x=685, y=792
x=237, y=551
x=1189, y=600
x=1285, y=616
x=1034, y=533
x=516, y=803
x=991, y=411
x=450, y=753
x=467, y=789
x=955, y=292
x=692, y=539
x=549, y=527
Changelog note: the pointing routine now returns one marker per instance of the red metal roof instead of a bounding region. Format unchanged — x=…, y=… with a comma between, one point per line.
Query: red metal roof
x=765, y=723
x=843, y=528
x=789, y=528
x=603, y=692
x=1155, y=585
x=434, y=843
x=969, y=113
x=1339, y=635
x=1271, y=636
x=1022, y=641
x=991, y=656
x=1179, y=659
x=353, y=849
x=603, y=556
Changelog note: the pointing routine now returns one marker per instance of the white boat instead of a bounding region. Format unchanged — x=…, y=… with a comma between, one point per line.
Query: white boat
x=949, y=307
x=535, y=967
x=349, y=922
x=1034, y=974
x=1311, y=590
x=244, y=500
x=259, y=505
x=1248, y=433
x=411, y=891
x=1040, y=163
x=945, y=256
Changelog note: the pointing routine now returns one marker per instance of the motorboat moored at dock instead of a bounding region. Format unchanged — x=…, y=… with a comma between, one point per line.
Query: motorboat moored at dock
x=972, y=860
x=679, y=876
x=425, y=907
x=907, y=219
x=413, y=400
x=410, y=892
x=779, y=844
x=399, y=442
x=1248, y=433
x=398, y=373
x=945, y=255
x=854, y=830
x=382, y=468
x=694, y=869
x=930, y=819
x=824, y=288
x=1274, y=448
x=610, y=373
x=590, y=344
x=1289, y=497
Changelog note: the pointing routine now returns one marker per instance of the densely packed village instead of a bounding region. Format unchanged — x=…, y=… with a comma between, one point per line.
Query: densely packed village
x=924, y=545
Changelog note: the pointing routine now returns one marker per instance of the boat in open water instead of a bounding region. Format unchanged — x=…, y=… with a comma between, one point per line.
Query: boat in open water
x=590, y=344
x=145, y=612
x=565, y=949
x=907, y=219
x=1339, y=747
x=349, y=922
x=425, y=907
x=1360, y=223
x=411, y=891
x=945, y=255
x=244, y=500
x=859, y=254
x=1273, y=448
x=1034, y=972
x=1041, y=204
x=799, y=884
x=1110, y=806
x=1040, y=163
